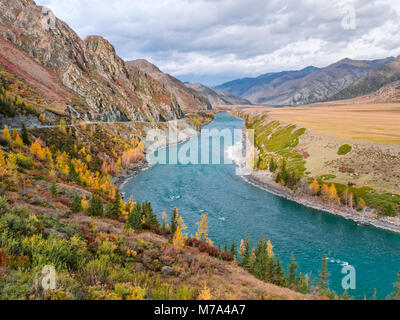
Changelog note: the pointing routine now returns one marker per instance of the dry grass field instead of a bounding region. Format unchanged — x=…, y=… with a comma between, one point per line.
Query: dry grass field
x=366, y=122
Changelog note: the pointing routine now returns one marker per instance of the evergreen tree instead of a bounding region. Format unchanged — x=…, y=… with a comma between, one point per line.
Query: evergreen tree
x=244, y=252
x=53, y=189
x=261, y=261
x=116, y=206
x=96, y=207
x=174, y=221
x=292, y=276
x=73, y=175
x=279, y=276
x=149, y=216
x=324, y=274
x=226, y=248
x=25, y=136
x=233, y=249
x=135, y=218
x=76, y=205
x=273, y=166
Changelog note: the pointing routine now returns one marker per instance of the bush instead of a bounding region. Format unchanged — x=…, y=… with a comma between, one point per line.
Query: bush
x=24, y=162
x=344, y=149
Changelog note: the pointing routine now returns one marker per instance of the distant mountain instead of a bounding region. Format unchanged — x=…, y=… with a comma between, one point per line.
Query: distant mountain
x=305, y=86
x=382, y=79
x=218, y=97
x=188, y=99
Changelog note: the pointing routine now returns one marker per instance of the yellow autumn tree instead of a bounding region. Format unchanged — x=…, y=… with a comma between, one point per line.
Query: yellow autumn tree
x=205, y=293
x=42, y=118
x=85, y=204
x=3, y=164
x=315, y=187
x=14, y=134
x=37, y=150
x=333, y=195
x=12, y=167
x=164, y=220
x=202, y=230
x=362, y=204
x=270, y=248
x=6, y=133
x=179, y=237
x=325, y=191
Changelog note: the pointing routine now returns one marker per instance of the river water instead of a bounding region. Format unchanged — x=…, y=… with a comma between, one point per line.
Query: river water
x=236, y=210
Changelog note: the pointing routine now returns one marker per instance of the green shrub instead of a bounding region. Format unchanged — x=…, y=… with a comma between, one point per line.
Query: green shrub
x=344, y=149
x=24, y=162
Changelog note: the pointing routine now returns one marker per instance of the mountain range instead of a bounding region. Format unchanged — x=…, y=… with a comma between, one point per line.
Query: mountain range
x=305, y=86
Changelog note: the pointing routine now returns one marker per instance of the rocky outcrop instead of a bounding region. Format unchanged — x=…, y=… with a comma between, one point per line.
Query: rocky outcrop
x=93, y=82
x=190, y=100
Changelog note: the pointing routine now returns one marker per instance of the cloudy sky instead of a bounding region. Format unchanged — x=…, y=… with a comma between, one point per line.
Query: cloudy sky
x=213, y=41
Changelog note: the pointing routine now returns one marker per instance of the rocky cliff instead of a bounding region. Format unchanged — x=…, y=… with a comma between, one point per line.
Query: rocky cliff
x=190, y=100
x=84, y=79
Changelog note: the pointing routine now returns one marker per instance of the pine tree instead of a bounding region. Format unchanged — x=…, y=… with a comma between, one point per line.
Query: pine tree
x=149, y=216
x=279, y=276
x=174, y=221
x=116, y=208
x=273, y=166
x=135, y=218
x=73, y=175
x=261, y=261
x=96, y=207
x=324, y=274
x=25, y=135
x=292, y=276
x=53, y=189
x=76, y=205
x=244, y=252
x=226, y=248
x=233, y=249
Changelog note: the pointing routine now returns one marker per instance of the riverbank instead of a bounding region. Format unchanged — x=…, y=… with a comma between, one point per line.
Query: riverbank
x=264, y=181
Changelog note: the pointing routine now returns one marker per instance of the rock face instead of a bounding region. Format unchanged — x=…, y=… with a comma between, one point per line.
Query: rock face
x=218, y=97
x=83, y=78
x=302, y=87
x=189, y=100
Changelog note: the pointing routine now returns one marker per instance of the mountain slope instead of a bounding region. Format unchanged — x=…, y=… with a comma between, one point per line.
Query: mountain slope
x=189, y=100
x=373, y=81
x=218, y=97
x=85, y=79
x=305, y=86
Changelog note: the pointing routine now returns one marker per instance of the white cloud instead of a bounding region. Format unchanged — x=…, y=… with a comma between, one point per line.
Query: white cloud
x=224, y=39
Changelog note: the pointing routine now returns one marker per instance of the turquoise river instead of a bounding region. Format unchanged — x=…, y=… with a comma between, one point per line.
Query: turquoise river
x=236, y=210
